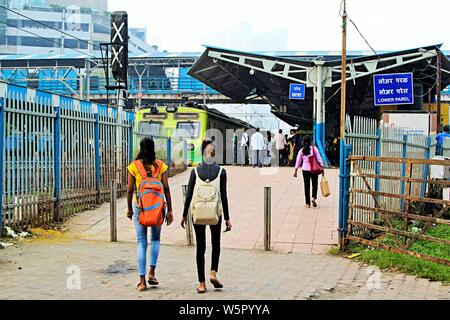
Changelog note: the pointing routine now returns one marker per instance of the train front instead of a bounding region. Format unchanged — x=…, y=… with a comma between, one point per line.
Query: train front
x=179, y=123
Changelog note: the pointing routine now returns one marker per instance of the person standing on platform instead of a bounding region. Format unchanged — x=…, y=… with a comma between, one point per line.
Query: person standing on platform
x=257, y=145
x=268, y=146
x=329, y=150
x=234, y=142
x=336, y=151
x=280, y=145
x=244, y=147
x=297, y=139
x=303, y=162
x=440, y=140
x=286, y=150
x=291, y=147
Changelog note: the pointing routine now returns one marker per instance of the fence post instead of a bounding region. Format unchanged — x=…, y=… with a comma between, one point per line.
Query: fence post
x=169, y=155
x=189, y=233
x=404, y=156
x=344, y=193
x=97, y=158
x=378, y=164
x=267, y=218
x=57, y=164
x=426, y=167
x=113, y=211
x=2, y=146
x=131, y=141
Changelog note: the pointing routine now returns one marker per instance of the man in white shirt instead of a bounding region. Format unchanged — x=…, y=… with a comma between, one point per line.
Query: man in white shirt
x=244, y=147
x=280, y=145
x=257, y=145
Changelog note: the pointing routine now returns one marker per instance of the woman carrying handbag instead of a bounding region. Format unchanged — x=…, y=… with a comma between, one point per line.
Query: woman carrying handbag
x=311, y=163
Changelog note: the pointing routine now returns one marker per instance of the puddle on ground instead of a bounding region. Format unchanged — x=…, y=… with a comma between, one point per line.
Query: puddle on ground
x=119, y=267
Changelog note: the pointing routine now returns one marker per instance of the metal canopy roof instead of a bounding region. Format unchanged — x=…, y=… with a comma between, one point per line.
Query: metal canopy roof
x=245, y=76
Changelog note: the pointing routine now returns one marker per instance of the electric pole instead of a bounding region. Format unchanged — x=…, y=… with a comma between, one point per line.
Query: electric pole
x=344, y=69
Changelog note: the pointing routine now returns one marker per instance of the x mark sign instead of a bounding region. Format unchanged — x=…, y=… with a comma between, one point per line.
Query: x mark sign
x=118, y=30
x=116, y=56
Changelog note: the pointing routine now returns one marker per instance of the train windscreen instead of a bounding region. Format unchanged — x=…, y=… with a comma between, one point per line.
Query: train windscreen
x=151, y=127
x=189, y=130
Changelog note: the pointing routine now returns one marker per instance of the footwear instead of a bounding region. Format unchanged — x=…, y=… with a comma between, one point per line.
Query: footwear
x=152, y=281
x=307, y=206
x=216, y=283
x=201, y=290
x=314, y=203
x=140, y=287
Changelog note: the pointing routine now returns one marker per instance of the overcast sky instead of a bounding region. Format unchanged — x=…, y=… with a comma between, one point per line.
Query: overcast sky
x=184, y=25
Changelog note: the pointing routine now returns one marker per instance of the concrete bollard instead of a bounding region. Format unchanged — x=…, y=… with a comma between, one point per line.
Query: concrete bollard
x=267, y=218
x=113, y=211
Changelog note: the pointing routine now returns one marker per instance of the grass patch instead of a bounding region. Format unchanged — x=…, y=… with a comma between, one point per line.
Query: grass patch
x=408, y=264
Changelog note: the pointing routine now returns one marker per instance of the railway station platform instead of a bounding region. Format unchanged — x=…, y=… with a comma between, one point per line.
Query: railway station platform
x=295, y=229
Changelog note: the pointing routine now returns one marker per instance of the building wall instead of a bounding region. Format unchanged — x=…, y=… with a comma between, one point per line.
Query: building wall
x=100, y=5
x=3, y=18
x=25, y=36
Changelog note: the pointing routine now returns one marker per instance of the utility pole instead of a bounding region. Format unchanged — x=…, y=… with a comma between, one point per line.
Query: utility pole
x=344, y=69
x=438, y=90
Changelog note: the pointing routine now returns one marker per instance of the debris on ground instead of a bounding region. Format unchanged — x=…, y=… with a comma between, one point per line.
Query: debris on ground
x=10, y=233
x=353, y=256
x=5, y=245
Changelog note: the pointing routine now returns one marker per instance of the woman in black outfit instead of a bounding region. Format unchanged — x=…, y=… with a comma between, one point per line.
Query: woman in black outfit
x=208, y=170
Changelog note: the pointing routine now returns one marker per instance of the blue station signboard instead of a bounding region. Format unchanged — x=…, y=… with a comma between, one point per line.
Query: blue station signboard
x=393, y=89
x=297, y=91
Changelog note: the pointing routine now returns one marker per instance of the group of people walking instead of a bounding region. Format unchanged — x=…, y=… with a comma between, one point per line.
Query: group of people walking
x=149, y=200
x=256, y=149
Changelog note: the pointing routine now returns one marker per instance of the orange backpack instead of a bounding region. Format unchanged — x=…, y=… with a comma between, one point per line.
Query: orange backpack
x=150, y=196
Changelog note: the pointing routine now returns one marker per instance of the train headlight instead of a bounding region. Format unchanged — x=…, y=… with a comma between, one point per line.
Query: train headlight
x=171, y=109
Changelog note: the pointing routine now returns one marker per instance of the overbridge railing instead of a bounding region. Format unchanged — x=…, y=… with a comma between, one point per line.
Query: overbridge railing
x=373, y=221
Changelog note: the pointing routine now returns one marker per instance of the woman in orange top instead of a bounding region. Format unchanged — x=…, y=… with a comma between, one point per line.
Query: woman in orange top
x=148, y=157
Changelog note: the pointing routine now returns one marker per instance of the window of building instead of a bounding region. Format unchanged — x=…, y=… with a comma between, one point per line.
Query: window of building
x=71, y=43
x=98, y=28
x=38, y=42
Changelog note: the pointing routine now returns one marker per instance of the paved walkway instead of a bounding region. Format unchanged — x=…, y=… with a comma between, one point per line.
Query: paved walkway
x=49, y=269
x=52, y=266
x=294, y=228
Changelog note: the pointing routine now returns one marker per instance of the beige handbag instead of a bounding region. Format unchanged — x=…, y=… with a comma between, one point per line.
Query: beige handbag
x=325, y=187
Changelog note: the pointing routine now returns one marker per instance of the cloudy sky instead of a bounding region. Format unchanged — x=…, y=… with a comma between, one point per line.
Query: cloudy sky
x=181, y=25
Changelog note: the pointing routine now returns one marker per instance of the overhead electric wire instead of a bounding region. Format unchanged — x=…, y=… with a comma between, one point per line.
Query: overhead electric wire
x=362, y=36
x=46, y=39
x=48, y=26
x=341, y=13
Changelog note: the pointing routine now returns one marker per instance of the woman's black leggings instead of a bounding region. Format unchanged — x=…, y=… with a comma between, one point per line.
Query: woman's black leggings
x=308, y=176
x=200, y=236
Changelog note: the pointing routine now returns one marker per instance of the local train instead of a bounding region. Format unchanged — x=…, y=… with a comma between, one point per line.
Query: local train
x=194, y=123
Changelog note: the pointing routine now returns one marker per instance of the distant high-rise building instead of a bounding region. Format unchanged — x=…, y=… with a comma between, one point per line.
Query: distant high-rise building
x=37, y=28
x=100, y=5
x=140, y=33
